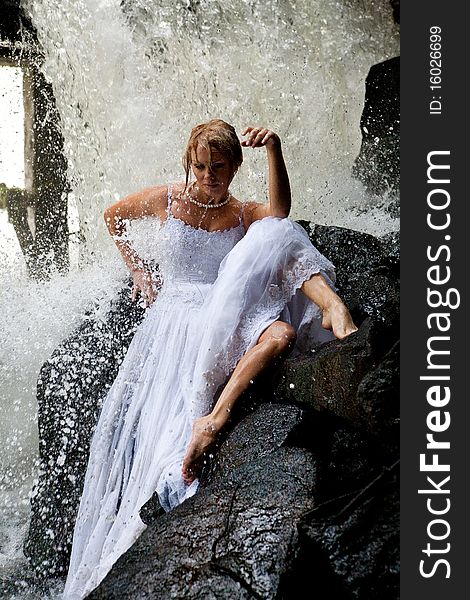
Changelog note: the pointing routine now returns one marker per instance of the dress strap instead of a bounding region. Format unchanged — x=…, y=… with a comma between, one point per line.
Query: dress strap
x=170, y=199
x=242, y=207
x=241, y=220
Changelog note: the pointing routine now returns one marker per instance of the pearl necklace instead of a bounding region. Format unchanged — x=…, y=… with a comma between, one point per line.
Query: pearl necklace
x=208, y=205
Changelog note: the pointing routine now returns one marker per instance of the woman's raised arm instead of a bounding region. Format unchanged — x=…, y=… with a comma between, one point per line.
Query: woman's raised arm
x=279, y=192
x=146, y=203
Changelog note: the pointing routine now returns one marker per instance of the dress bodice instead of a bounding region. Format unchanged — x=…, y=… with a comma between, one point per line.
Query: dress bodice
x=192, y=254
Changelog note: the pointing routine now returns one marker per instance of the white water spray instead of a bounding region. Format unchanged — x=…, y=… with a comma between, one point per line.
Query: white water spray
x=132, y=78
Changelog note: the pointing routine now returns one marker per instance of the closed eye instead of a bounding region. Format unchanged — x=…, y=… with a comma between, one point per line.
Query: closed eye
x=216, y=165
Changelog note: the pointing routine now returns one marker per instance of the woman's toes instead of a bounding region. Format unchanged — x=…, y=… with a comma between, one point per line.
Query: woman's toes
x=204, y=436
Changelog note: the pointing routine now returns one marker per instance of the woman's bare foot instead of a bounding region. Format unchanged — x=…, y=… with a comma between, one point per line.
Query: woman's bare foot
x=337, y=318
x=205, y=431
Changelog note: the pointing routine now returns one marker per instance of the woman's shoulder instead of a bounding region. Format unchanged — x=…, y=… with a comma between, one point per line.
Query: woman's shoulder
x=158, y=197
x=175, y=189
x=252, y=211
x=251, y=206
x=154, y=195
x=149, y=201
x=239, y=209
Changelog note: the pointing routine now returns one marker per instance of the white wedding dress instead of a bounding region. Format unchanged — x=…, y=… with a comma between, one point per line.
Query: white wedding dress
x=220, y=291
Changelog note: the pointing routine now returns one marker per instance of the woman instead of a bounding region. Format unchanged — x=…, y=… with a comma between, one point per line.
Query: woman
x=228, y=306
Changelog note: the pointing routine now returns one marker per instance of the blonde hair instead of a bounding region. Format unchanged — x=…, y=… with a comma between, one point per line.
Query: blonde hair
x=214, y=135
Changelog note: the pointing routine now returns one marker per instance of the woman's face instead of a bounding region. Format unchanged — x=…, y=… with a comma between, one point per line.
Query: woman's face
x=213, y=177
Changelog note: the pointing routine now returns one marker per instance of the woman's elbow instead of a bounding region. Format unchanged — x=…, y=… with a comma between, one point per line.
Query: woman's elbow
x=111, y=219
x=108, y=216
x=282, y=209
x=281, y=213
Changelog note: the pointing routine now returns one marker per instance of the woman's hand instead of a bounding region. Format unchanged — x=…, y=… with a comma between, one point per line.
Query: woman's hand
x=145, y=284
x=260, y=136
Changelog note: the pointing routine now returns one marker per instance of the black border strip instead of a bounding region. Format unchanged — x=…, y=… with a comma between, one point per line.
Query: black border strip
x=421, y=133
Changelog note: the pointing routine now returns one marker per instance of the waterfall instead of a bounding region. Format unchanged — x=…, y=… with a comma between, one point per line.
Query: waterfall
x=131, y=78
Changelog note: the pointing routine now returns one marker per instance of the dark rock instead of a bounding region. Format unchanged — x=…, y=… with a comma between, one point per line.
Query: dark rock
x=378, y=394
x=391, y=249
x=234, y=539
x=396, y=10
x=358, y=543
x=352, y=252
x=330, y=378
x=71, y=385
x=367, y=271
x=269, y=518
x=357, y=378
x=346, y=460
x=378, y=163
x=261, y=429
x=259, y=434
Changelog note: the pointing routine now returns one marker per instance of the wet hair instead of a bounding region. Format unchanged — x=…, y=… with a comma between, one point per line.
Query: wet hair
x=214, y=135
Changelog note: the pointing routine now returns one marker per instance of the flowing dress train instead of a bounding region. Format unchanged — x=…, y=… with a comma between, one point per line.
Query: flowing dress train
x=220, y=291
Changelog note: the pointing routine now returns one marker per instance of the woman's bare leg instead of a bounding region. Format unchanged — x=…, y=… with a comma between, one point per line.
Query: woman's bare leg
x=275, y=341
x=336, y=316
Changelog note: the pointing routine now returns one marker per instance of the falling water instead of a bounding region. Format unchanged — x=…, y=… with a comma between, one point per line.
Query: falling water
x=131, y=78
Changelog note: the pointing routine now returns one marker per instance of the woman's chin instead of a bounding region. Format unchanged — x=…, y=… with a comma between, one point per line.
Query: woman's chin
x=215, y=191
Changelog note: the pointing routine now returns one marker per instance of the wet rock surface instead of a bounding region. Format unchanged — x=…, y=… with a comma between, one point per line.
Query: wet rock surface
x=378, y=163
x=359, y=545
x=356, y=379
x=311, y=503
x=367, y=271
x=301, y=487
x=271, y=425
x=71, y=386
x=233, y=539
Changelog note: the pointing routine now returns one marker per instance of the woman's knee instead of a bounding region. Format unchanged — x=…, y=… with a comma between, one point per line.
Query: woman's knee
x=282, y=335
